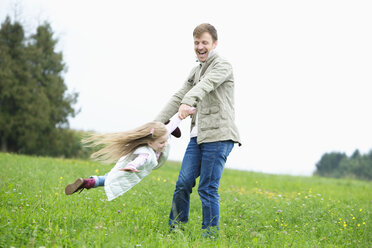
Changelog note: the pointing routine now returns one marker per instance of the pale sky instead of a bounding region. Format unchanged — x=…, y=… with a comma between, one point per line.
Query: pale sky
x=303, y=70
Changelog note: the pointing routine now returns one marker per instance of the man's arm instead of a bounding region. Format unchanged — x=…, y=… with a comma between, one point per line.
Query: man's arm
x=214, y=78
x=173, y=104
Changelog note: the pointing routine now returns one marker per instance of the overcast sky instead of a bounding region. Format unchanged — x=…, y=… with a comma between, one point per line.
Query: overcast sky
x=303, y=69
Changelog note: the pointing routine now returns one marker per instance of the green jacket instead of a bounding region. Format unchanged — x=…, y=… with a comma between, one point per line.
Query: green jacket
x=209, y=88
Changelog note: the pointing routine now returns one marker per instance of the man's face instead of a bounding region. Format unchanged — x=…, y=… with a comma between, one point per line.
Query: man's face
x=203, y=45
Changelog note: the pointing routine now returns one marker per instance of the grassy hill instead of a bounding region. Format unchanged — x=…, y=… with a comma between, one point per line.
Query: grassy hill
x=257, y=210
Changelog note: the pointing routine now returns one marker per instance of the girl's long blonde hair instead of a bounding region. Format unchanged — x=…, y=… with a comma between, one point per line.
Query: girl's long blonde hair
x=116, y=145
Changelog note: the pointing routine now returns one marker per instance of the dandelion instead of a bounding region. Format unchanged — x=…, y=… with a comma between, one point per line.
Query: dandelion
x=97, y=170
x=345, y=225
x=358, y=224
x=123, y=204
x=353, y=218
x=165, y=180
x=364, y=223
x=360, y=210
x=61, y=178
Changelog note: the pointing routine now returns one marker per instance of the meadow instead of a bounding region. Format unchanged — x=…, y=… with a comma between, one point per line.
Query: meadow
x=257, y=210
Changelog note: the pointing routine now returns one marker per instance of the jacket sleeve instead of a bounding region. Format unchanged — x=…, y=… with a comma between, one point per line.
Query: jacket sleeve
x=171, y=108
x=174, y=122
x=138, y=161
x=214, y=78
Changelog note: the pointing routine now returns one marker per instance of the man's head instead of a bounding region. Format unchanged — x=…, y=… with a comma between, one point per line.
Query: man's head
x=205, y=40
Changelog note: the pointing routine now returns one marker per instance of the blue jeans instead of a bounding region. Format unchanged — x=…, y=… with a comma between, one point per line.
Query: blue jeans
x=206, y=160
x=100, y=180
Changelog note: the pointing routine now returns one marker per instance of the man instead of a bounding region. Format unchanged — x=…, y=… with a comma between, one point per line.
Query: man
x=210, y=89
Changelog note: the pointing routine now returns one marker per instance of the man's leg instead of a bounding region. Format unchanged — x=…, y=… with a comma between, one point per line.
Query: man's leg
x=190, y=170
x=214, y=155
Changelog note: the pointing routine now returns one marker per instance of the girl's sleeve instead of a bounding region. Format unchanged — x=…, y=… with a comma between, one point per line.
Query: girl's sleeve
x=174, y=122
x=138, y=161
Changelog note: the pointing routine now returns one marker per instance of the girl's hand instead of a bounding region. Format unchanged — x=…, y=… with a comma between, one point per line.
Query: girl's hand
x=130, y=169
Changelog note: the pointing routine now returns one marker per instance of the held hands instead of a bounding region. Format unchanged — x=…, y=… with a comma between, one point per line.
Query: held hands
x=185, y=110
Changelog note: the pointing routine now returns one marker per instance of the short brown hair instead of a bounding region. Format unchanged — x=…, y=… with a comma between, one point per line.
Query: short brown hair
x=205, y=27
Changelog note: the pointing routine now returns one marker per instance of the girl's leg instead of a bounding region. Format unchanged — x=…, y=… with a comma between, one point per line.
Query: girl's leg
x=99, y=180
x=81, y=184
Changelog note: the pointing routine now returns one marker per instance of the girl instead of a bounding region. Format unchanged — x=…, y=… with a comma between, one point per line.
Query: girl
x=137, y=153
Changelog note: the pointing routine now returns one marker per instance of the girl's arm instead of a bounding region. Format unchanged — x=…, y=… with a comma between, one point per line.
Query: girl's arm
x=136, y=163
x=175, y=121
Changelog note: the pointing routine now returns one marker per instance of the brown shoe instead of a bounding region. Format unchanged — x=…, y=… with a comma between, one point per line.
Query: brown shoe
x=75, y=186
x=79, y=184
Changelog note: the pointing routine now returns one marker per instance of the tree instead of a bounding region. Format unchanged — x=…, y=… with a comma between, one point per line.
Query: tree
x=47, y=68
x=329, y=163
x=14, y=79
x=338, y=165
x=34, y=103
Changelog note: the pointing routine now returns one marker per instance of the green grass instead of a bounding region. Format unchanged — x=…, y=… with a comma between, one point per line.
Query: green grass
x=257, y=210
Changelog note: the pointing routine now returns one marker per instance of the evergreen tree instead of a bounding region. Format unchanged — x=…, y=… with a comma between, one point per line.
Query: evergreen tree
x=338, y=165
x=47, y=69
x=14, y=83
x=34, y=104
x=329, y=163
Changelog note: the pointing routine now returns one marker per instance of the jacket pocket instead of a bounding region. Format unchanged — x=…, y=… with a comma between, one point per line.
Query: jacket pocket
x=210, y=110
x=210, y=118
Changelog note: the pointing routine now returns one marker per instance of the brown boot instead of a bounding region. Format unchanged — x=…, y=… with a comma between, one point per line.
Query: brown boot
x=79, y=184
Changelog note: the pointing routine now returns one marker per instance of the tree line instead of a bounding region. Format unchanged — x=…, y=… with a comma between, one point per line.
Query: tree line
x=339, y=165
x=34, y=102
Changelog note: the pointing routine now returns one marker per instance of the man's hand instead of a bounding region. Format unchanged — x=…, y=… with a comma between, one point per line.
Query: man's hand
x=185, y=110
x=130, y=169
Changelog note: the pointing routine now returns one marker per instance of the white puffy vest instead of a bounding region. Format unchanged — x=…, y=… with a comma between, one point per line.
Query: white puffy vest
x=118, y=182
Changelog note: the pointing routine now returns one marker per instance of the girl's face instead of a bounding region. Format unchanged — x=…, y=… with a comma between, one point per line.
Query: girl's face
x=159, y=144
